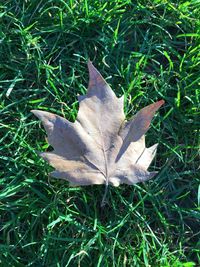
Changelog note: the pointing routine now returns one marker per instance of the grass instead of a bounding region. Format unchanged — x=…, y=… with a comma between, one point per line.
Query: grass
x=148, y=50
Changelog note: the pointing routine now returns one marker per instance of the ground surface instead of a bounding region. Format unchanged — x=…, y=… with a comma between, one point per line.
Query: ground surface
x=148, y=50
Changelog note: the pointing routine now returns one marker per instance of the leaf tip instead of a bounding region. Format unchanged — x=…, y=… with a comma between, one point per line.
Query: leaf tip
x=93, y=72
x=95, y=78
x=89, y=62
x=160, y=103
x=35, y=112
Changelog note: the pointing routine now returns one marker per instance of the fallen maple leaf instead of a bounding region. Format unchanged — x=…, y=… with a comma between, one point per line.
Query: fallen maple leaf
x=100, y=147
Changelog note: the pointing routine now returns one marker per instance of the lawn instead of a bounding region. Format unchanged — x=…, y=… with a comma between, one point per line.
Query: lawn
x=146, y=50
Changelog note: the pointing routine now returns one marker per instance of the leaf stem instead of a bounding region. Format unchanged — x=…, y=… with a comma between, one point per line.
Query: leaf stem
x=103, y=202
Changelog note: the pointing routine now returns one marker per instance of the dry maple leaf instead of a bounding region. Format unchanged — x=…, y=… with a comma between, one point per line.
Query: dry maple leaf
x=100, y=147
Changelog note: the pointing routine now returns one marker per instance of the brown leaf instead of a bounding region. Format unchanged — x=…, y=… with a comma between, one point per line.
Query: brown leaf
x=100, y=147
